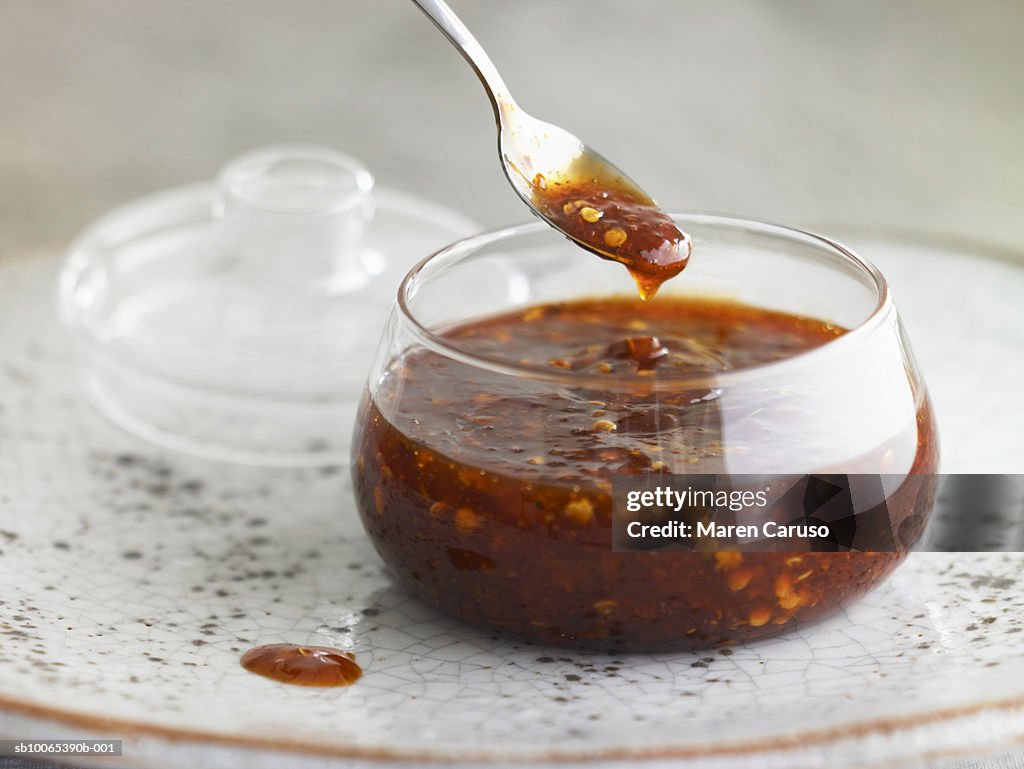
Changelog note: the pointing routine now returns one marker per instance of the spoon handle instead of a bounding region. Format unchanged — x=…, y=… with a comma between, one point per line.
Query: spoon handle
x=458, y=34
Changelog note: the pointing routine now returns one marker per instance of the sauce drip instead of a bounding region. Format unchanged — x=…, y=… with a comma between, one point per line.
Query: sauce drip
x=607, y=214
x=303, y=665
x=645, y=351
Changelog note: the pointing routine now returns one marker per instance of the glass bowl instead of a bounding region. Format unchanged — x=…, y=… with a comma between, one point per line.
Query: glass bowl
x=513, y=538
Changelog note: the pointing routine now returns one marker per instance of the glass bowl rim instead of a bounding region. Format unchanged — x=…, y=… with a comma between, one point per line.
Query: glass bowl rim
x=467, y=247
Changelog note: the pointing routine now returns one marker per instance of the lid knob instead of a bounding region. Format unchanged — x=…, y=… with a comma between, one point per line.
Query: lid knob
x=293, y=217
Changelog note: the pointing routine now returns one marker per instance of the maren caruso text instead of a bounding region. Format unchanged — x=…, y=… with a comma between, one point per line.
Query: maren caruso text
x=717, y=531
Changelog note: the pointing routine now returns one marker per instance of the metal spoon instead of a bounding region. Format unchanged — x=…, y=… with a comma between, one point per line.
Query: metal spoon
x=568, y=184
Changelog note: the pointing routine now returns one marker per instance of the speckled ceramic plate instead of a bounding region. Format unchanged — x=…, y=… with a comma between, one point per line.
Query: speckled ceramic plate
x=131, y=579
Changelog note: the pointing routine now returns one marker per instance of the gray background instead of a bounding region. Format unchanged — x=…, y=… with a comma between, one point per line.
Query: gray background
x=905, y=114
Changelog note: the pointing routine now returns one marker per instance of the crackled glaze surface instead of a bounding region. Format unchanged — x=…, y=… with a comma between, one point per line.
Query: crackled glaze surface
x=132, y=579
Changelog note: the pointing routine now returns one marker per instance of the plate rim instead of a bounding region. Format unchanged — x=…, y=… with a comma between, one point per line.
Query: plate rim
x=888, y=726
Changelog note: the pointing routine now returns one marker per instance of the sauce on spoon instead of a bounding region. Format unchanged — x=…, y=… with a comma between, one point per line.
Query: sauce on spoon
x=606, y=213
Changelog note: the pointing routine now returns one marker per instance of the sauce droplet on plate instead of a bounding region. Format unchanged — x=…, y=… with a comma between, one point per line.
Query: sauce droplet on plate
x=303, y=665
